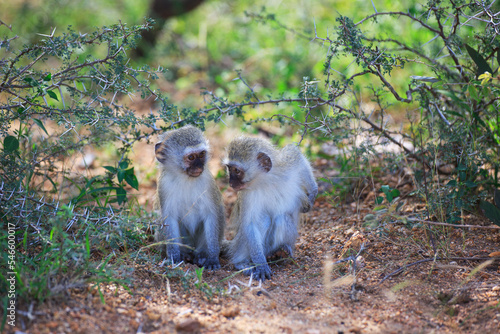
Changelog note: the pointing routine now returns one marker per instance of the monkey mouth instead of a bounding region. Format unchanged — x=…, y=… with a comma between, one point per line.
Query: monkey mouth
x=194, y=172
x=239, y=186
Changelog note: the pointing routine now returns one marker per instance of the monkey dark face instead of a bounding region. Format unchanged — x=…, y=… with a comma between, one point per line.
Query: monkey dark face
x=236, y=177
x=195, y=163
x=237, y=174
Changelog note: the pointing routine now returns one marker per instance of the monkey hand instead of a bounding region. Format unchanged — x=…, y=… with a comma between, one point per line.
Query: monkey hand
x=261, y=272
x=308, y=203
x=207, y=262
x=174, y=255
x=306, y=206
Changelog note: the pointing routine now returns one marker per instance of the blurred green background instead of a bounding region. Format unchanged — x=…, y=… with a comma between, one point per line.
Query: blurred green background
x=203, y=47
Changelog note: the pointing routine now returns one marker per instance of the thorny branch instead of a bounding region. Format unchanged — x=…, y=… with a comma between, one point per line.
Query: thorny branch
x=313, y=122
x=493, y=227
x=401, y=269
x=354, y=262
x=354, y=269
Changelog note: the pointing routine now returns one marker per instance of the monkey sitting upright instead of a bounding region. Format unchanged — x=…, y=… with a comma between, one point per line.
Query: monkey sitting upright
x=191, y=204
x=273, y=187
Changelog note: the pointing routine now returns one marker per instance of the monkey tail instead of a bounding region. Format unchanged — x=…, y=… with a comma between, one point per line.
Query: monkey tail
x=224, y=248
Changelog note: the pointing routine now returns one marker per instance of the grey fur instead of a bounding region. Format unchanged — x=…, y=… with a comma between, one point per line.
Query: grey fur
x=267, y=211
x=192, y=210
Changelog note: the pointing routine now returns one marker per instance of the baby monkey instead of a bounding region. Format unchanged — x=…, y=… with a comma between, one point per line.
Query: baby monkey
x=274, y=187
x=192, y=210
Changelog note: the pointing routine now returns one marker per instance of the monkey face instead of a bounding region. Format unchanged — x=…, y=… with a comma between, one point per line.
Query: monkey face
x=195, y=163
x=236, y=177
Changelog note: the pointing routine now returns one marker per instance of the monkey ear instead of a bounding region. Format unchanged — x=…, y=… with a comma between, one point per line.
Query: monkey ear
x=264, y=161
x=160, y=152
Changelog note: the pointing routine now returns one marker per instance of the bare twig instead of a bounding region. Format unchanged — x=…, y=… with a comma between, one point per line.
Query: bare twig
x=2, y=23
x=452, y=225
x=396, y=272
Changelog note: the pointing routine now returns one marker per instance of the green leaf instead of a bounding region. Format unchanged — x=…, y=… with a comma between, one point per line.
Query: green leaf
x=52, y=95
x=379, y=200
x=132, y=180
x=48, y=77
x=199, y=273
x=473, y=93
x=121, y=175
x=385, y=189
x=470, y=184
x=31, y=82
x=395, y=193
x=25, y=240
x=54, y=185
x=478, y=119
x=87, y=243
x=482, y=64
x=92, y=180
x=10, y=144
x=40, y=124
x=452, y=183
x=380, y=208
x=123, y=164
x=490, y=211
x=100, y=189
x=121, y=195
x=390, y=194
x=451, y=95
x=454, y=113
x=110, y=169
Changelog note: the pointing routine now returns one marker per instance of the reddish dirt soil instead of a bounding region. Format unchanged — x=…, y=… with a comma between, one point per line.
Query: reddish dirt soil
x=308, y=294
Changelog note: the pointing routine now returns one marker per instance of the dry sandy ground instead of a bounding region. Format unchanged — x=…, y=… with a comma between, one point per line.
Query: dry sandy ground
x=307, y=294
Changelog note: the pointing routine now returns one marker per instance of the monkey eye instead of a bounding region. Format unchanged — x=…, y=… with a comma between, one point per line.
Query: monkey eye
x=202, y=154
x=191, y=157
x=236, y=171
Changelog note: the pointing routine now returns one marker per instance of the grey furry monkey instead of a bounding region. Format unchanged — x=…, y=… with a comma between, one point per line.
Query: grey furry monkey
x=274, y=187
x=192, y=210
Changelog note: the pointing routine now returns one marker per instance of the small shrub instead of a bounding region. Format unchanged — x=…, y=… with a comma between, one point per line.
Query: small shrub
x=59, y=96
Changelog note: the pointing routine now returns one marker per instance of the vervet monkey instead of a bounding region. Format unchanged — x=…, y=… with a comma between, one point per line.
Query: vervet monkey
x=191, y=204
x=273, y=187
